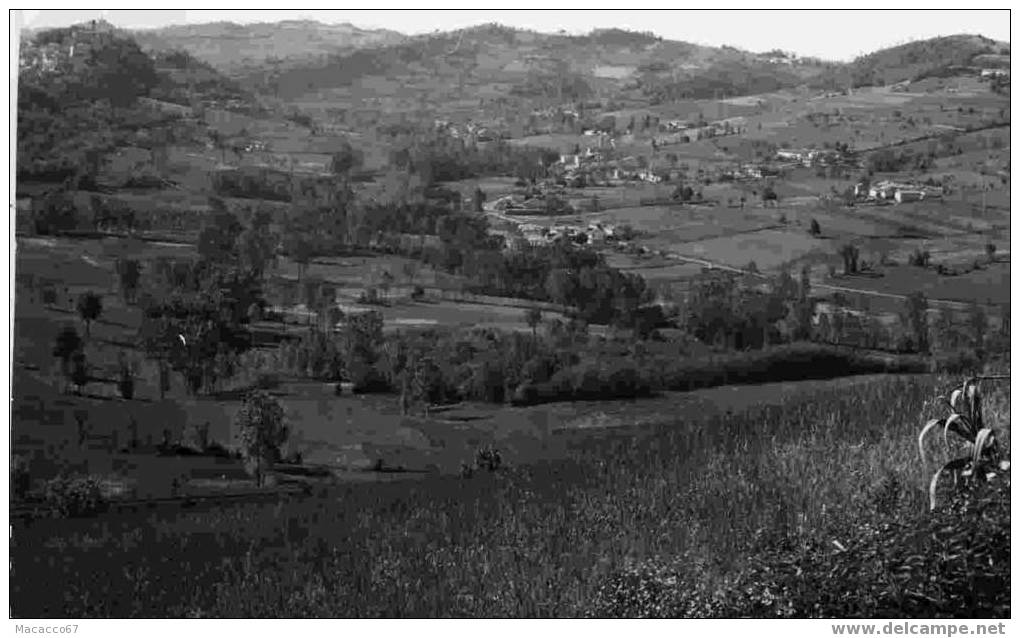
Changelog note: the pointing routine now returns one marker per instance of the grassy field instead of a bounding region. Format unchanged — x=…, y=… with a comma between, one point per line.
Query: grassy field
x=709, y=492
x=991, y=284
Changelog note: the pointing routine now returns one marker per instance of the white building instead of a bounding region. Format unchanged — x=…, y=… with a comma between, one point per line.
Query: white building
x=908, y=196
x=571, y=160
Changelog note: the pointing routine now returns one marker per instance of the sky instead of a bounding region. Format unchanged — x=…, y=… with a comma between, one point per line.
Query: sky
x=828, y=34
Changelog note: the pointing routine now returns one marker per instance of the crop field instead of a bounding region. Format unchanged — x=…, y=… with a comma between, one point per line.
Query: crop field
x=872, y=116
x=768, y=249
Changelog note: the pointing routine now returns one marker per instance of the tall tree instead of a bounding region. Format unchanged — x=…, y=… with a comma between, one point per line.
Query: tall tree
x=217, y=241
x=65, y=346
x=533, y=317
x=129, y=272
x=915, y=316
x=262, y=431
x=90, y=307
x=345, y=159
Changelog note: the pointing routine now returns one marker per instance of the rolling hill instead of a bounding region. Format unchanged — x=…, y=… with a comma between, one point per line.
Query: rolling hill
x=934, y=56
x=237, y=48
x=498, y=59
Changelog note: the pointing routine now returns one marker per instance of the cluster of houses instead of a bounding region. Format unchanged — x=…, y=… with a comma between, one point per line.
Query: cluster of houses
x=994, y=73
x=538, y=235
x=682, y=132
x=809, y=157
x=470, y=130
x=575, y=169
x=899, y=192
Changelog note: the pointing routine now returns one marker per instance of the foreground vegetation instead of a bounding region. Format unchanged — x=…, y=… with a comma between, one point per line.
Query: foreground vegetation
x=816, y=507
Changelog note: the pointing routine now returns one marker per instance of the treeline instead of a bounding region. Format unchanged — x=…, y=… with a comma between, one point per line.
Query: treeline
x=564, y=363
x=439, y=157
x=720, y=80
x=183, y=79
x=561, y=273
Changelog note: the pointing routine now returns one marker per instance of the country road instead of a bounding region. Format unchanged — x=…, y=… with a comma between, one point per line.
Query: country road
x=947, y=303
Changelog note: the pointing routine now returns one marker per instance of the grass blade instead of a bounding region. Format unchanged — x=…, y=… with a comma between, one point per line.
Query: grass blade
x=955, y=464
x=920, y=439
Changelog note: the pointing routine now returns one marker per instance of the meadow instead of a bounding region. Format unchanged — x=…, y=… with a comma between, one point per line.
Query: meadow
x=671, y=519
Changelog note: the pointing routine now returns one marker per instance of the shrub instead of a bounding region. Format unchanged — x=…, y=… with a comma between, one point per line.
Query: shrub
x=983, y=461
x=267, y=381
x=126, y=382
x=919, y=258
x=75, y=496
x=21, y=479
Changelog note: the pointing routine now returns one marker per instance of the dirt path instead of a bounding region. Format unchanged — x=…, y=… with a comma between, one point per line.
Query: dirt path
x=946, y=303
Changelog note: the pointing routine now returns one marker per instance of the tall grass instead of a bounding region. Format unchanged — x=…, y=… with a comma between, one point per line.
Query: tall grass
x=707, y=498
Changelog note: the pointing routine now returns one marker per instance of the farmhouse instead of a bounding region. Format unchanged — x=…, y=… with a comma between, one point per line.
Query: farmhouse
x=570, y=160
x=650, y=177
x=677, y=125
x=798, y=155
x=904, y=195
x=887, y=189
x=994, y=73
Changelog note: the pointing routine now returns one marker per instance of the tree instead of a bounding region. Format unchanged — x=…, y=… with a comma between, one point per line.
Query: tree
x=311, y=293
x=257, y=244
x=90, y=307
x=815, y=230
x=49, y=294
x=261, y=431
x=344, y=160
x=129, y=272
x=217, y=241
x=67, y=343
x=300, y=250
x=559, y=285
x=409, y=269
x=385, y=281
x=219, y=143
x=915, y=316
x=533, y=317
x=850, y=255
x=79, y=371
x=426, y=381
x=125, y=380
x=805, y=306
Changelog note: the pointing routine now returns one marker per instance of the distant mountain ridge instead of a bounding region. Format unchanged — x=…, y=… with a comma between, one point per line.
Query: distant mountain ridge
x=297, y=58
x=228, y=46
x=548, y=65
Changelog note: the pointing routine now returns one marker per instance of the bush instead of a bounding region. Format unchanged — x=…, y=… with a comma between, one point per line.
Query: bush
x=75, y=496
x=267, y=381
x=21, y=480
x=126, y=385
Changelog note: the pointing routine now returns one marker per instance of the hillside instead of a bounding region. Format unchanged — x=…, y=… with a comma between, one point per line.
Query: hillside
x=931, y=57
x=234, y=47
x=86, y=90
x=493, y=59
